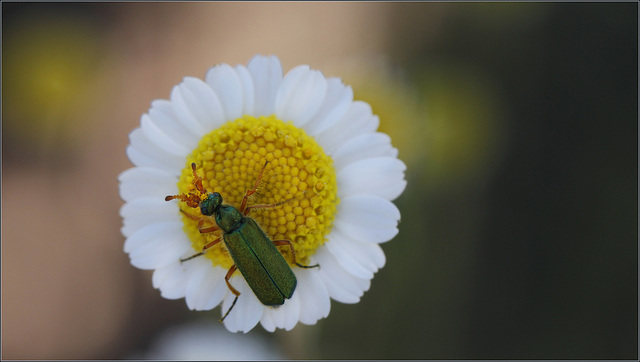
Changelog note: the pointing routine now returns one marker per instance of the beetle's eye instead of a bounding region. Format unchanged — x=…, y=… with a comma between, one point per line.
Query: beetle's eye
x=209, y=205
x=205, y=210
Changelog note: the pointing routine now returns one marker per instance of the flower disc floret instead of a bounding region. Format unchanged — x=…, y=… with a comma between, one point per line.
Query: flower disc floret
x=298, y=173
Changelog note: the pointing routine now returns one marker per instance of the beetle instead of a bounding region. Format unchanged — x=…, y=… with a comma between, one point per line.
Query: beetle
x=253, y=253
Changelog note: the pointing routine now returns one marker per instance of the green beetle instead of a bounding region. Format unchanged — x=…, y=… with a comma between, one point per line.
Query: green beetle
x=263, y=267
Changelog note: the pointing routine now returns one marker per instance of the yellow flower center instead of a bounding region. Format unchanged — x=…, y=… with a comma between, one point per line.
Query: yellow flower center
x=229, y=160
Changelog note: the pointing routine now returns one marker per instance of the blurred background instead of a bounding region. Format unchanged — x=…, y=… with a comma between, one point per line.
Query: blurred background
x=518, y=123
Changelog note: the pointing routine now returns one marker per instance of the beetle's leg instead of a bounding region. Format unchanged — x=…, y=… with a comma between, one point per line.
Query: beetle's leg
x=252, y=191
x=204, y=249
x=192, y=217
x=210, y=229
x=201, y=221
x=262, y=206
x=265, y=206
x=191, y=257
x=293, y=253
x=232, y=289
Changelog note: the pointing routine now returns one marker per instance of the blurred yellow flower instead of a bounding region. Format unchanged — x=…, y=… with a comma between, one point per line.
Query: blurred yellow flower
x=49, y=64
x=465, y=128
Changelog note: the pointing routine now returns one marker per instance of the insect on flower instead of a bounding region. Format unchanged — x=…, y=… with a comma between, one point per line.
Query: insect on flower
x=325, y=158
x=253, y=253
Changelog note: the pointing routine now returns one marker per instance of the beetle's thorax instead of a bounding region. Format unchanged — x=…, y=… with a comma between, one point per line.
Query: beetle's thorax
x=228, y=218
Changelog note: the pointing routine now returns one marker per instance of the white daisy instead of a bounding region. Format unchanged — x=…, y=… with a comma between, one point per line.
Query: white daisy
x=333, y=173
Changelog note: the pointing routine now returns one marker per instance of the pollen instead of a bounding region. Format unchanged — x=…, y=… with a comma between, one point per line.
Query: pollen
x=299, y=175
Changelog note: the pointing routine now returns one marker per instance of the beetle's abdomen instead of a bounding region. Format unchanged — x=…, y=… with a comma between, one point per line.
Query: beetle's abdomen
x=260, y=262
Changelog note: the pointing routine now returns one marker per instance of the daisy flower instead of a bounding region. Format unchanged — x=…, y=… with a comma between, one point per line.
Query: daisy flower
x=302, y=143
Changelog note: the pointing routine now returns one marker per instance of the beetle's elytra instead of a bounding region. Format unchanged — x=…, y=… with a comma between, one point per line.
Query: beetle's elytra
x=254, y=254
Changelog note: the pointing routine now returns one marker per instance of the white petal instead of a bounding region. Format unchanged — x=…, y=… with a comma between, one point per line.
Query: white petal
x=149, y=233
x=203, y=103
x=373, y=251
x=358, y=120
x=367, y=218
x=341, y=285
x=180, y=107
x=267, y=76
x=206, y=286
x=143, y=152
x=141, y=182
x=248, y=90
x=155, y=256
x=368, y=145
x=162, y=114
x=335, y=106
x=197, y=106
x=228, y=87
x=161, y=139
x=140, y=213
x=170, y=279
x=358, y=258
x=287, y=315
x=300, y=96
x=157, y=245
x=291, y=311
x=247, y=311
x=313, y=295
x=267, y=321
x=217, y=288
x=383, y=176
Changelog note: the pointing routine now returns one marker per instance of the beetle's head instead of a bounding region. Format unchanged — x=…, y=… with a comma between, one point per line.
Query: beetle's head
x=209, y=205
x=195, y=195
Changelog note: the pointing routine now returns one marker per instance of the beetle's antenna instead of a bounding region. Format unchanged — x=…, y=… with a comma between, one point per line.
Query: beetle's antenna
x=197, y=180
x=194, y=197
x=191, y=200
